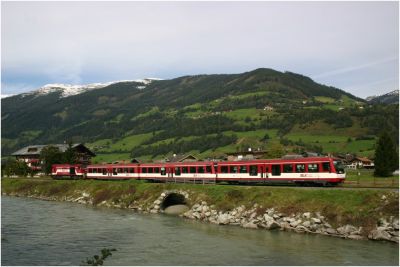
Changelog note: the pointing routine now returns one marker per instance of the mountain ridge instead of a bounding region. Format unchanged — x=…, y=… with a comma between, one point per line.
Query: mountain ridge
x=193, y=107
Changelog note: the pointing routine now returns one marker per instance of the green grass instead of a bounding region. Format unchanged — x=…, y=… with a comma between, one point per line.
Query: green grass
x=125, y=144
x=358, y=207
x=325, y=99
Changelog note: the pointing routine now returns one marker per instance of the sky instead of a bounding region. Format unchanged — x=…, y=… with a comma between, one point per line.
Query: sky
x=353, y=46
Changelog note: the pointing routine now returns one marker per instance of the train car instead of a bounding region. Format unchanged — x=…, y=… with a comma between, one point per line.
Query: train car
x=113, y=171
x=321, y=170
x=317, y=170
x=67, y=171
x=203, y=172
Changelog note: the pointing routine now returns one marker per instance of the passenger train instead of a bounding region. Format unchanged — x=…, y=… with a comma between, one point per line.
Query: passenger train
x=303, y=171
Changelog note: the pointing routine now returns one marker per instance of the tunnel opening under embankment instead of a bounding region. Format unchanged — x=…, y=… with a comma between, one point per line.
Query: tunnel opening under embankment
x=174, y=203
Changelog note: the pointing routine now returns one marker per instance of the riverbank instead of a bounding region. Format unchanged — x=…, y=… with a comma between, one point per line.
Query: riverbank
x=346, y=213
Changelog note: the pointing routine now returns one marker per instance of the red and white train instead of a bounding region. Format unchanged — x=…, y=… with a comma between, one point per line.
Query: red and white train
x=317, y=170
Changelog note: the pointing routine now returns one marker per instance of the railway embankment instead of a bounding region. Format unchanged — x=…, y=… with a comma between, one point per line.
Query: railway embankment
x=346, y=213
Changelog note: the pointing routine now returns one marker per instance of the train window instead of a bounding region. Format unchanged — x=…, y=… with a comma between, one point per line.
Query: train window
x=99, y=170
x=233, y=169
x=163, y=171
x=253, y=170
x=131, y=170
x=326, y=167
x=192, y=169
x=104, y=171
x=312, y=167
x=224, y=169
x=177, y=171
x=276, y=169
x=243, y=169
x=144, y=170
x=115, y=171
x=200, y=169
x=185, y=170
x=300, y=168
x=288, y=168
x=125, y=170
x=95, y=170
x=208, y=169
x=119, y=170
x=150, y=170
x=156, y=170
x=90, y=170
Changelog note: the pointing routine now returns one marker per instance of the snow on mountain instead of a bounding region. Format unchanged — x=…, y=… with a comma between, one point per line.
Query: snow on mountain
x=4, y=95
x=70, y=90
x=388, y=98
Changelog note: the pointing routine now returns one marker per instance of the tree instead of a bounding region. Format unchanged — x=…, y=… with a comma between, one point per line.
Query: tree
x=70, y=156
x=386, y=156
x=50, y=155
x=16, y=167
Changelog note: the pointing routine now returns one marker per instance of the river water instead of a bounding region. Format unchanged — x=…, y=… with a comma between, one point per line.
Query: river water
x=36, y=232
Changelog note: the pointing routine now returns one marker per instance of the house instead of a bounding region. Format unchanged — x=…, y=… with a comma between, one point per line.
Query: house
x=31, y=154
x=361, y=162
x=181, y=158
x=245, y=155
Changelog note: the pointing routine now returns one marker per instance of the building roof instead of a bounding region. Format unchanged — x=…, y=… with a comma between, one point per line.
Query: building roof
x=34, y=150
x=181, y=158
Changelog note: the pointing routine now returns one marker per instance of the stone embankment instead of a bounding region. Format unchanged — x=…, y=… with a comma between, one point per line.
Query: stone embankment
x=269, y=219
x=253, y=217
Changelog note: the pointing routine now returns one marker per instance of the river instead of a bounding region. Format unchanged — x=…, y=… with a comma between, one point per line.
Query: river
x=36, y=232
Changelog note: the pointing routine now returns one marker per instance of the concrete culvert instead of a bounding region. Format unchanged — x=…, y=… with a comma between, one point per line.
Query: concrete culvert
x=174, y=204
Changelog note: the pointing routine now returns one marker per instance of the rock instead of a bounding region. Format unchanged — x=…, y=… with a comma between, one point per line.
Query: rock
x=306, y=224
x=163, y=195
x=156, y=207
x=207, y=214
x=153, y=211
x=84, y=194
x=268, y=218
x=315, y=220
x=157, y=202
x=379, y=235
x=307, y=215
x=295, y=223
x=383, y=197
x=205, y=208
x=250, y=225
x=347, y=229
x=223, y=219
x=276, y=216
x=301, y=229
x=355, y=237
x=327, y=225
x=270, y=225
x=395, y=239
x=396, y=224
x=331, y=231
x=196, y=215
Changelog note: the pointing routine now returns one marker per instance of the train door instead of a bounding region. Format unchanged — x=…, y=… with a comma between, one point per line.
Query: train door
x=275, y=171
x=109, y=172
x=72, y=171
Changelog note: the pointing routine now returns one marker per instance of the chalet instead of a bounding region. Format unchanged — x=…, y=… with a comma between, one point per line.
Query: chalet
x=245, y=155
x=181, y=158
x=361, y=162
x=31, y=154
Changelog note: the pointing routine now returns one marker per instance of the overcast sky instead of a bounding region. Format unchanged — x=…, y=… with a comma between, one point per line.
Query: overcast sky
x=349, y=45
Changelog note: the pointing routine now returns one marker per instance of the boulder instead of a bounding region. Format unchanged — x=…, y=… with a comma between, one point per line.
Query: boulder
x=379, y=235
x=301, y=229
x=295, y=223
x=316, y=220
x=306, y=224
x=347, y=230
x=250, y=225
x=268, y=218
x=270, y=225
x=156, y=207
x=207, y=214
x=307, y=215
x=331, y=231
x=157, y=202
x=223, y=219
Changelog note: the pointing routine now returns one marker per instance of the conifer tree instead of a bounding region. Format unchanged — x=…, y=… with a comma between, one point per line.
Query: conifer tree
x=386, y=156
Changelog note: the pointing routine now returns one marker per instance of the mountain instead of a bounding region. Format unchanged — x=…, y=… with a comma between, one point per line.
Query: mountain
x=388, y=98
x=202, y=114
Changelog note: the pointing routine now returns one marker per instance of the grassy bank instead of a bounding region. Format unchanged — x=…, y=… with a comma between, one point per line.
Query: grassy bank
x=340, y=206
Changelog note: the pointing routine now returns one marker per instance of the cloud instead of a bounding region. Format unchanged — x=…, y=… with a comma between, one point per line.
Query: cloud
x=355, y=68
